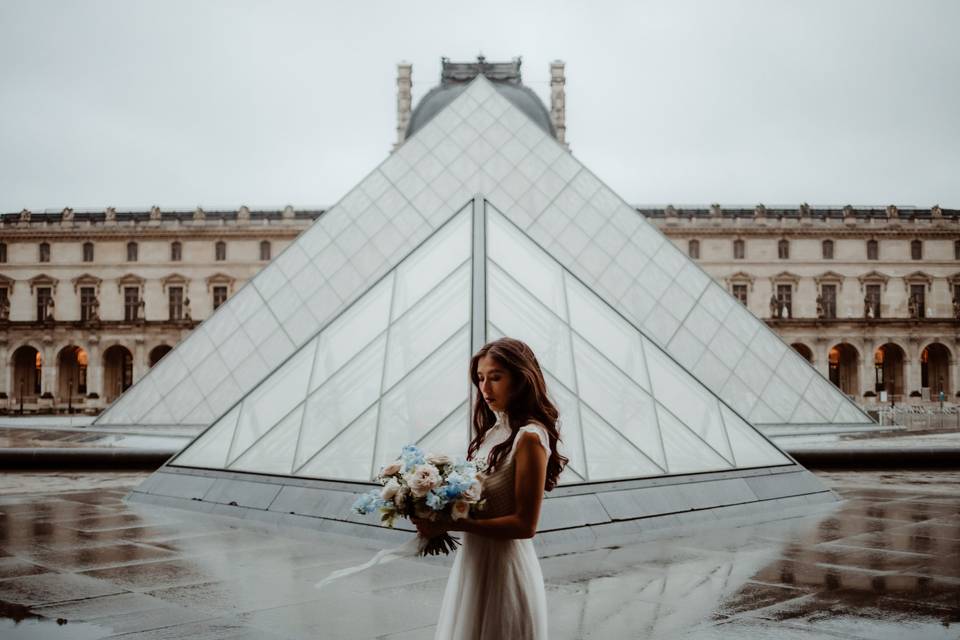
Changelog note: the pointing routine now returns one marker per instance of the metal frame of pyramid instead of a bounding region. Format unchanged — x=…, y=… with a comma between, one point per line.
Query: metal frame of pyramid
x=245, y=366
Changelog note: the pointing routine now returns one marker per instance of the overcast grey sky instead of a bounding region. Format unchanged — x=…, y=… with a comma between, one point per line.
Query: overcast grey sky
x=218, y=104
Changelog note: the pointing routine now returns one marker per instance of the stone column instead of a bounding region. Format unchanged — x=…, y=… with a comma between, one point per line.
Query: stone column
x=6, y=369
x=912, y=376
x=821, y=356
x=139, y=359
x=94, y=366
x=558, y=101
x=48, y=368
x=404, y=100
x=866, y=367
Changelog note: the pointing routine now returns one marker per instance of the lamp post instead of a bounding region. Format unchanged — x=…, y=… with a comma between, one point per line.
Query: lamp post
x=70, y=396
x=21, y=396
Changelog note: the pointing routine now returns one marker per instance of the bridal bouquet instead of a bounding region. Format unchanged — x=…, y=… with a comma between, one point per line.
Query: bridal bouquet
x=426, y=485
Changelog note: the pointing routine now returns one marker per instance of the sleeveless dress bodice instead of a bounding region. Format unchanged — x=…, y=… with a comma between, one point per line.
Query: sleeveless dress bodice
x=495, y=590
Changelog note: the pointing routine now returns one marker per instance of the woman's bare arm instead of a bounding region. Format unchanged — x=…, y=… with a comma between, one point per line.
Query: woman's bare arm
x=531, y=474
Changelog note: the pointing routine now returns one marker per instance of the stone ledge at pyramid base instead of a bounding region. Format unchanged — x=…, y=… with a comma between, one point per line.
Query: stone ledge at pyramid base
x=573, y=518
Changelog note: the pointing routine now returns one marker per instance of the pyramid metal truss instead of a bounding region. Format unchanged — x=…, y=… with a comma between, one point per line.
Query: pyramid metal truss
x=479, y=144
x=391, y=370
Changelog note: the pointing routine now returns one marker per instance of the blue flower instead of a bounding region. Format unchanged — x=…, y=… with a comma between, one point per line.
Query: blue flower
x=435, y=501
x=367, y=502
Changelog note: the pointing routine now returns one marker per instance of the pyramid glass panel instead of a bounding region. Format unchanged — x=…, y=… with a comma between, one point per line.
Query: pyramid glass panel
x=210, y=448
x=425, y=398
x=340, y=399
x=273, y=453
x=348, y=457
x=450, y=436
x=611, y=456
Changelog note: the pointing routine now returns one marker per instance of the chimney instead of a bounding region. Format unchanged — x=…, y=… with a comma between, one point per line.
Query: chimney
x=404, y=100
x=558, y=101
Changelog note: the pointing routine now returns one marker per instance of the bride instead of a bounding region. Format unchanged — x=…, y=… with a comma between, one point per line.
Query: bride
x=495, y=590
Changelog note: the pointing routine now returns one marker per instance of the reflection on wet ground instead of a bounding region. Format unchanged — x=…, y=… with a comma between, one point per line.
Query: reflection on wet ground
x=78, y=562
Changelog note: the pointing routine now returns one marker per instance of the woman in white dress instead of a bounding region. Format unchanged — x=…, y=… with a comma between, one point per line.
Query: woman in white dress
x=495, y=590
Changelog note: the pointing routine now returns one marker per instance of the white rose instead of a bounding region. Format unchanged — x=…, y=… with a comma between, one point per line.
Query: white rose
x=391, y=469
x=422, y=479
x=461, y=509
x=473, y=492
x=390, y=489
x=438, y=459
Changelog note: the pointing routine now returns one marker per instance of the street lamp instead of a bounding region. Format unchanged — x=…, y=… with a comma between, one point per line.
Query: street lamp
x=70, y=396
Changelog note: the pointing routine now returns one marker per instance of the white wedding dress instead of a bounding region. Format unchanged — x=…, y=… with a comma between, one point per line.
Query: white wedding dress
x=495, y=590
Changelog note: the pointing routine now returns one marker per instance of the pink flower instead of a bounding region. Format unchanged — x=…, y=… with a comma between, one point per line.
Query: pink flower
x=461, y=509
x=473, y=492
x=391, y=469
x=422, y=479
x=390, y=489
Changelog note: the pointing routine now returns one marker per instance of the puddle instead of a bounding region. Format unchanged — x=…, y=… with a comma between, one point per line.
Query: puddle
x=18, y=622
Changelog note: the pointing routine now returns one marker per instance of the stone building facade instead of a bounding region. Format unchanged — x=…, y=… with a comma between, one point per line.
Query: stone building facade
x=89, y=300
x=870, y=296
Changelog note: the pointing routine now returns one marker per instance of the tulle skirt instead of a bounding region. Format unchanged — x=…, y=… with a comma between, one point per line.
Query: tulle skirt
x=495, y=592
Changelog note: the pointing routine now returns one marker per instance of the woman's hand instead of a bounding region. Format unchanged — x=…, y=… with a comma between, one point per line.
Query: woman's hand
x=429, y=528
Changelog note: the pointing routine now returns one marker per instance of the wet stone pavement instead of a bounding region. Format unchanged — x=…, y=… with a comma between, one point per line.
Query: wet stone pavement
x=78, y=562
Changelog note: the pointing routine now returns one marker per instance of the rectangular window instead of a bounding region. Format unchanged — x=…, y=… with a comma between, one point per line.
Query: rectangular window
x=44, y=252
x=738, y=250
x=220, y=251
x=176, y=252
x=176, y=302
x=918, y=293
x=873, y=300
x=44, y=294
x=219, y=296
x=828, y=295
x=873, y=250
x=131, y=252
x=3, y=251
x=88, y=252
x=5, y=300
x=785, y=300
x=87, y=296
x=916, y=250
x=740, y=293
x=131, y=299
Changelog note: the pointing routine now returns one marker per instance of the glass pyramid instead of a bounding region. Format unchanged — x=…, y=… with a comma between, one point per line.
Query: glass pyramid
x=391, y=370
x=480, y=144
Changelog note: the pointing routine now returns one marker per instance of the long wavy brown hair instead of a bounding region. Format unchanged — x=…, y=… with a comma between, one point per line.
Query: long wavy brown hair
x=528, y=402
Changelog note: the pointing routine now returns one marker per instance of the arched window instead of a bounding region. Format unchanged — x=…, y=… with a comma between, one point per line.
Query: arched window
x=828, y=249
x=783, y=249
x=738, y=249
x=693, y=249
x=264, y=250
x=220, y=250
x=131, y=252
x=873, y=250
x=176, y=251
x=44, y=252
x=88, y=252
x=916, y=250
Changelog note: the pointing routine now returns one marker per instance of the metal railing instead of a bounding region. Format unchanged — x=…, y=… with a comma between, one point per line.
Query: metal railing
x=921, y=416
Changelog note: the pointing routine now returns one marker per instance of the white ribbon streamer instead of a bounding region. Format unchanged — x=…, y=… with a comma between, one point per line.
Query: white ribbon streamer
x=409, y=549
